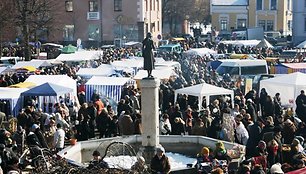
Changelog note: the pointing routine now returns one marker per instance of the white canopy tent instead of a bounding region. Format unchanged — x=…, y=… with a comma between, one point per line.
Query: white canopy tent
x=107, y=86
x=160, y=73
x=264, y=44
x=13, y=96
x=35, y=64
x=302, y=45
x=242, y=42
x=200, y=52
x=288, y=85
x=80, y=56
x=62, y=80
x=102, y=70
x=204, y=90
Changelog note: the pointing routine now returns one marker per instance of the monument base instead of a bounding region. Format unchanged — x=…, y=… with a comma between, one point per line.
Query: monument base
x=147, y=152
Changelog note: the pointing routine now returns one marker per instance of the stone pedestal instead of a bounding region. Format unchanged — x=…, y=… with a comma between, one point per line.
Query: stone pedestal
x=150, y=117
x=149, y=111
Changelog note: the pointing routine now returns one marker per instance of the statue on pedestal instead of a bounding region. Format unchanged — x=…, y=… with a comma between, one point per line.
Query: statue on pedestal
x=147, y=53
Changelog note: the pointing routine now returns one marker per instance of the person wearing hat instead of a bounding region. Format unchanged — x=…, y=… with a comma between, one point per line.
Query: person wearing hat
x=147, y=53
x=160, y=162
x=220, y=152
x=204, y=156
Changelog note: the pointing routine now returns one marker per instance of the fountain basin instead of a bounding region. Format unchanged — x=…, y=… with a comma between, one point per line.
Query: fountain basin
x=81, y=152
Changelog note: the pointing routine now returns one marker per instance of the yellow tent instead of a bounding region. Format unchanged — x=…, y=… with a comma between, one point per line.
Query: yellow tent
x=27, y=68
x=23, y=85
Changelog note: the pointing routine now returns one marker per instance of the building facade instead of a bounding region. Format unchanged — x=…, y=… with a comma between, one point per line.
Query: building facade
x=299, y=21
x=97, y=22
x=272, y=15
x=227, y=15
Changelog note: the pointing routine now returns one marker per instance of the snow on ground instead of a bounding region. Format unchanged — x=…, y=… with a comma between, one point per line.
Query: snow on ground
x=176, y=160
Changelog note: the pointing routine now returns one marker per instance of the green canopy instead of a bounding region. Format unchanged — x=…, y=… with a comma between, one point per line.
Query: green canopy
x=69, y=49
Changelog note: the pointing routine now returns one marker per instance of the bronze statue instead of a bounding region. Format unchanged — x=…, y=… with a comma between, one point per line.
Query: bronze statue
x=147, y=53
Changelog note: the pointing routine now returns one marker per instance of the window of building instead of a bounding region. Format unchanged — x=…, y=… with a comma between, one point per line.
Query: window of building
x=273, y=5
x=117, y=5
x=224, y=24
x=262, y=23
x=289, y=25
x=241, y=23
x=93, y=32
x=154, y=5
x=157, y=4
x=270, y=25
x=288, y=4
x=259, y=5
x=146, y=4
x=158, y=26
x=69, y=6
x=68, y=33
x=93, y=6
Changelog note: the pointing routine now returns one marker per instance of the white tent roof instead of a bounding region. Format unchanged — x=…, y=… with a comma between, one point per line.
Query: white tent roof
x=80, y=56
x=10, y=93
x=202, y=90
x=297, y=79
x=129, y=63
x=242, y=42
x=108, y=81
x=2, y=69
x=160, y=73
x=62, y=80
x=95, y=71
x=302, y=45
x=264, y=44
x=35, y=64
x=200, y=51
x=288, y=85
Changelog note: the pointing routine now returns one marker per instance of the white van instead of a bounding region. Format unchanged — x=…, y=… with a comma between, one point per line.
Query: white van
x=238, y=67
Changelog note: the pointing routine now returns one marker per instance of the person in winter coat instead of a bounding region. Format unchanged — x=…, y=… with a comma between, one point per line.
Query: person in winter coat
x=160, y=162
x=59, y=138
x=103, y=122
x=178, y=127
x=289, y=130
x=40, y=136
x=138, y=124
x=198, y=128
x=165, y=125
x=241, y=133
x=126, y=124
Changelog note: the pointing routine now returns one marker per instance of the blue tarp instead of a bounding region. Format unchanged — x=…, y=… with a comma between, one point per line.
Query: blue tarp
x=47, y=89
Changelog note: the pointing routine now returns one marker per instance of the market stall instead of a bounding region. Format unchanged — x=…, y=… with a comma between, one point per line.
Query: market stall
x=106, y=86
x=10, y=100
x=204, y=90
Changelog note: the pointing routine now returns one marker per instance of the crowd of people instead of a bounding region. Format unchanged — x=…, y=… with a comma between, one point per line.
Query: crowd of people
x=272, y=134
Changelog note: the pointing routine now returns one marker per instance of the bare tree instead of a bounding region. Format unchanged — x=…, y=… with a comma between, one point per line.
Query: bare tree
x=176, y=11
x=6, y=7
x=32, y=16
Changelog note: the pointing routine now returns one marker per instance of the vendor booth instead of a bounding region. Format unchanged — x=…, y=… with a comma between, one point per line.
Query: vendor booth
x=62, y=80
x=200, y=52
x=10, y=100
x=288, y=85
x=48, y=94
x=79, y=56
x=106, y=86
x=102, y=70
x=204, y=90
